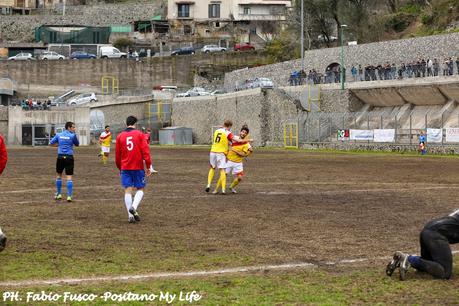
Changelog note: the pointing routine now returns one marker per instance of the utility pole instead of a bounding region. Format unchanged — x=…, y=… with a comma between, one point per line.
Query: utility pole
x=342, y=58
x=302, y=35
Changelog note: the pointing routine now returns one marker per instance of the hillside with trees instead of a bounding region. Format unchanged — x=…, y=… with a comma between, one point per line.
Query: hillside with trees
x=365, y=20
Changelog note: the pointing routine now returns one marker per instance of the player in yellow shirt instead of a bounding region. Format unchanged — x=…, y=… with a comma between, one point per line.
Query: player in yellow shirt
x=234, y=164
x=105, y=140
x=220, y=141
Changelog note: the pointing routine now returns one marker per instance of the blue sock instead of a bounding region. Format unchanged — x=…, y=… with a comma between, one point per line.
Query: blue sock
x=69, y=188
x=59, y=185
x=415, y=261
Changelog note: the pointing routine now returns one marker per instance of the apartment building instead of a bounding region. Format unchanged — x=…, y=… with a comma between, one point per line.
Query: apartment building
x=226, y=18
x=8, y=7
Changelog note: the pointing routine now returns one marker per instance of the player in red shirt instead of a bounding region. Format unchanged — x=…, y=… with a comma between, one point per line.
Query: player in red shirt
x=3, y=160
x=130, y=153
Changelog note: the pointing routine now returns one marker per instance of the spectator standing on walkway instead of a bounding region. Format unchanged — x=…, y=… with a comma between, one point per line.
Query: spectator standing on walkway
x=429, y=67
x=436, y=67
x=354, y=73
x=361, y=73
x=457, y=64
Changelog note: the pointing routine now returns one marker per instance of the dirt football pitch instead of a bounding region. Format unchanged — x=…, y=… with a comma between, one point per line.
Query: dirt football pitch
x=341, y=213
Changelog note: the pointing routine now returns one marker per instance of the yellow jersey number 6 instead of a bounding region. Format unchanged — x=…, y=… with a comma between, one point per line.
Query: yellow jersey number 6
x=218, y=138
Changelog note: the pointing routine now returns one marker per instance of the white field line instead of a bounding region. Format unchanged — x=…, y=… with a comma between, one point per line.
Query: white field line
x=250, y=184
x=261, y=193
x=173, y=275
x=282, y=183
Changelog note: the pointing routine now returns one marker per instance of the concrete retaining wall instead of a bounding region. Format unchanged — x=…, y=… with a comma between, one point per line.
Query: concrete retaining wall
x=263, y=111
x=21, y=27
x=395, y=51
x=18, y=117
x=176, y=70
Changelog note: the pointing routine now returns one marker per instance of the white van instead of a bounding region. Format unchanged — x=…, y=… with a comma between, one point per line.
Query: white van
x=111, y=52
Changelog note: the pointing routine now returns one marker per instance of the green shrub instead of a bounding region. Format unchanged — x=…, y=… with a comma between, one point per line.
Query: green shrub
x=123, y=43
x=399, y=22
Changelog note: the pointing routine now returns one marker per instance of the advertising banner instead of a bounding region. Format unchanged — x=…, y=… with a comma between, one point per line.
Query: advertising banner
x=361, y=134
x=343, y=134
x=434, y=135
x=384, y=135
x=452, y=135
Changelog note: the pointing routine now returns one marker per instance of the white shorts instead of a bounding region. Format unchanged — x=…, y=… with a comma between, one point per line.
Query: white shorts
x=218, y=160
x=234, y=168
x=105, y=149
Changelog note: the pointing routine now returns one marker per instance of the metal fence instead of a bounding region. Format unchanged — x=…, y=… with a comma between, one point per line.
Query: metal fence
x=324, y=127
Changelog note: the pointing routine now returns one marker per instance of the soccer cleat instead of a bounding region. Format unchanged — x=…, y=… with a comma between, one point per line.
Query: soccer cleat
x=2, y=242
x=131, y=220
x=69, y=199
x=233, y=190
x=223, y=192
x=404, y=265
x=396, y=262
x=215, y=192
x=134, y=213
x=207, y=188
x=58, y=196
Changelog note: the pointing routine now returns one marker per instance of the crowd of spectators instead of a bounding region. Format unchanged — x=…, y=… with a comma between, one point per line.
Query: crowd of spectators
x=387, y=71
x=30, y=104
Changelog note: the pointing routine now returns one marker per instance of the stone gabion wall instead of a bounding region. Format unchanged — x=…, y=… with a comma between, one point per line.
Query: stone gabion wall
x=263, y=111
x=21, y=27
x=395, y=51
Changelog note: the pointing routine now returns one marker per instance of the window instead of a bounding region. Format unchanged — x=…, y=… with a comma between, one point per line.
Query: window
x=183, y=10
x=246, y=10
x=214, y=10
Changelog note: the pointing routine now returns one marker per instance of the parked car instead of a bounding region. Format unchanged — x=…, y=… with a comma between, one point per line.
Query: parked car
x=111, y=52
x=217, y=92
x=193, y=92
x=212, y=48
x=182, y=51
x=243, y=47
x=262, y=83
x=82, y=55
x=51, y=55
x=21, y=57
x=82, y=99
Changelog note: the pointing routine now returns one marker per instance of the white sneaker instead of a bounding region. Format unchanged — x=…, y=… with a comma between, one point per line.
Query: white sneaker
x=152, y=170
x=233, y=190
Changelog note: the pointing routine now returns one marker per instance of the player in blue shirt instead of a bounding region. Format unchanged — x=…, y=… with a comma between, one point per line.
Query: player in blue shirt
x=64, y=142
x=422, y=143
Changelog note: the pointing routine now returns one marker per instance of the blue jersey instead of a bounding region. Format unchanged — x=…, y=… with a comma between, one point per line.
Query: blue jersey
x=65, y=142
x=422, y=138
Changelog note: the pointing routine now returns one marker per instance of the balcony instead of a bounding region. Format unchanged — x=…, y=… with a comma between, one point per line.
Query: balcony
x=259, y=17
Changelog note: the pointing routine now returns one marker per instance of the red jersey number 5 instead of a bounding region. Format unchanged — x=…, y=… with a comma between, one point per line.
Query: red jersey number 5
x=129, y=143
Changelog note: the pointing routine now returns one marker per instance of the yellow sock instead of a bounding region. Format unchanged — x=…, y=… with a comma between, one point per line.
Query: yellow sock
x=234, y=183
x=223, y=179
x=104, y=159
x=210, y=177
x=219, y=183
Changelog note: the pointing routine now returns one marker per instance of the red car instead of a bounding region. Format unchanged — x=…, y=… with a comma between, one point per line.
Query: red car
x=243, y=47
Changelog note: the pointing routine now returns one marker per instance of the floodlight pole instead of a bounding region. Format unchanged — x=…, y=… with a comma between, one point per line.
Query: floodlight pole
x=302, y=35
x=342, y=57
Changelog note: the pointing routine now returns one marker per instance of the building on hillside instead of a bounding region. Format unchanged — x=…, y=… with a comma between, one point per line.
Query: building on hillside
x=10, y=7
x=240, y=20
x=72, y=34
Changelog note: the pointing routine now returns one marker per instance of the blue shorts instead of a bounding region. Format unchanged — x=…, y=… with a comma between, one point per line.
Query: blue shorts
x=133, y=178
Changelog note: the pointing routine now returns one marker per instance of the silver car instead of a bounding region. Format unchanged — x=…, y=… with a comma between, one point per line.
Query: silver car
x=212, y=48
x=51, y=55
x=21, y=57
x=262, y=83
x=193, y=92
x=82, y=99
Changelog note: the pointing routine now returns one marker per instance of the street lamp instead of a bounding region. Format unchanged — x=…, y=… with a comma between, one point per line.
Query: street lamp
x=342, y=57
x=302, y=35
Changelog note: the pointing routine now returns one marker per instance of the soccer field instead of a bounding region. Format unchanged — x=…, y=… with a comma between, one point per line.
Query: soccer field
x=338, y=217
